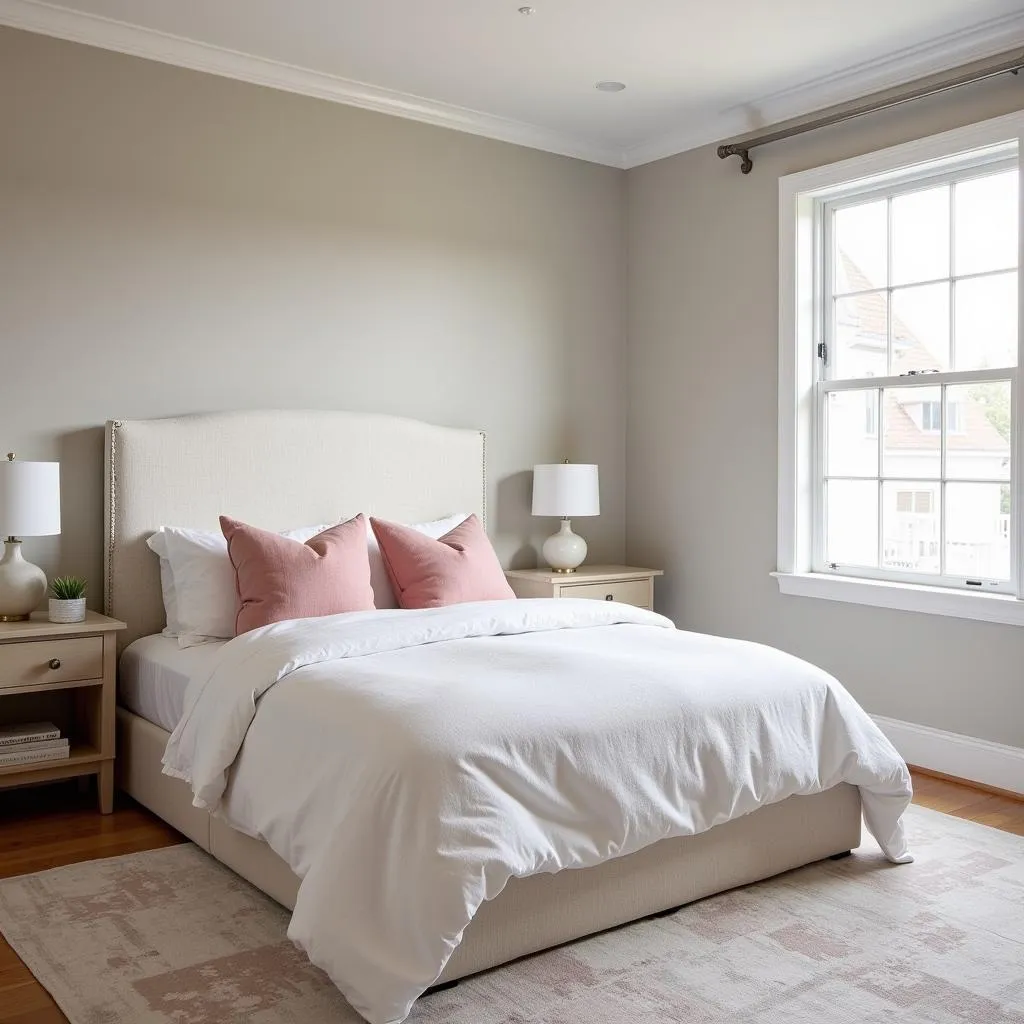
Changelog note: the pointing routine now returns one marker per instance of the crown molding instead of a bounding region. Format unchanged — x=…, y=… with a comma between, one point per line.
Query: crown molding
x=984, y=40
x=108, y=34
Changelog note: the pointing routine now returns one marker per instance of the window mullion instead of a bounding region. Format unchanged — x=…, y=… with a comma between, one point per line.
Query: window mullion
x=881, y=538
x=888, y=286
x=952, y=276
x=978, y=275
x=942, y=478
x=880, y=419
x=820, y=496
x=1017, y=414
x=1016, y=481
x=888, y=371
x=826, y=286
x=822, y=369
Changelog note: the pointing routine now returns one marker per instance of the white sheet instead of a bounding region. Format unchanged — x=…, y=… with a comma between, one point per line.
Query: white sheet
x=407, y=764
x=154, y=673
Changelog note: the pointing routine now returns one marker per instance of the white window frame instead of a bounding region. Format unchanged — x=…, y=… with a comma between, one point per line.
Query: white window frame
x=800, y=300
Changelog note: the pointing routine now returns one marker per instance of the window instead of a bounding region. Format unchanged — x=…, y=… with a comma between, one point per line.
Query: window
x=898, y=263
x=914, y=501
x=898, y=360
x=931, y=416
x=870, y=415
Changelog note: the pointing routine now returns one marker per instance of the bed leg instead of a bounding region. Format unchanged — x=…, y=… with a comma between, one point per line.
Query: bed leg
x=441, y=988
x=841, y=856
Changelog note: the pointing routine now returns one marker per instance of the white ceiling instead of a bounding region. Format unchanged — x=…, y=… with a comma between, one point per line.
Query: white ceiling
x=695, y=70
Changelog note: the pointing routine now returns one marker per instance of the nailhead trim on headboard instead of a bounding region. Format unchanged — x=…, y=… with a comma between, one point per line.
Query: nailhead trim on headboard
x=111, y=501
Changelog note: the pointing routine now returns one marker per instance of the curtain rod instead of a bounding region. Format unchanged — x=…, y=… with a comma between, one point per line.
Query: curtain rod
x=979, y=71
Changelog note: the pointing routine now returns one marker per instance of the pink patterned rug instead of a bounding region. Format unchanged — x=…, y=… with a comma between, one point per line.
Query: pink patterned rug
x=171, y=937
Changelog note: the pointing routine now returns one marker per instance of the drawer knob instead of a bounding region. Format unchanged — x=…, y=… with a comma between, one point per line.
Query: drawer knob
x=55, y=663
x=609, y=597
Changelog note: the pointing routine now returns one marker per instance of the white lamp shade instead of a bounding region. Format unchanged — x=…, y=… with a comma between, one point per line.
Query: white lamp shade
x=29, y=498
x=566, y=489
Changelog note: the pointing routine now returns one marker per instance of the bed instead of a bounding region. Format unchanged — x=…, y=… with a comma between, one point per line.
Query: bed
x=188, y=470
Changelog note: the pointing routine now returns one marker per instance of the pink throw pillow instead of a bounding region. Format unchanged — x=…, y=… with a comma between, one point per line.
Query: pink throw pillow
x=278, y=578
x=427, y=573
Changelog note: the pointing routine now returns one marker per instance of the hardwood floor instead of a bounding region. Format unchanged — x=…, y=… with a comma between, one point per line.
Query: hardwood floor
x=999, y=810
x=47, y=827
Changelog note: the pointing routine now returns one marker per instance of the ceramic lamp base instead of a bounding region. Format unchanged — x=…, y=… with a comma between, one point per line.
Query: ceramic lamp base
x=22, y=584
x=564, y=551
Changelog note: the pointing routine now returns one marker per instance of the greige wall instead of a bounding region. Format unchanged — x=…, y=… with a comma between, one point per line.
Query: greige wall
x=174, y=242
x=701, y=439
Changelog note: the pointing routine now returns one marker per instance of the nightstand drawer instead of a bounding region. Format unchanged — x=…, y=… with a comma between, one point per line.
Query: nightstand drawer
x=51, y=661
x=636, y=592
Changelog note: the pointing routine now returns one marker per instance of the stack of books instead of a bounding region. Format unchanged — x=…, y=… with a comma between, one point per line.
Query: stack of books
x=32, y=743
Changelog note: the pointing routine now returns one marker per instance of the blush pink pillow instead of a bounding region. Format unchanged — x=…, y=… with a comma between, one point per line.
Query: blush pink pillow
x=278, y=578
x=427, y=573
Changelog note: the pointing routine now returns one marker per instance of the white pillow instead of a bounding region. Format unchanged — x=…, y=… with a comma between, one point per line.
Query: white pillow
x=198, y=582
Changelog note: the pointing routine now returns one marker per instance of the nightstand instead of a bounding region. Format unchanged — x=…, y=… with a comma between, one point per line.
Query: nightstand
x=63, y=673
x=624, y=583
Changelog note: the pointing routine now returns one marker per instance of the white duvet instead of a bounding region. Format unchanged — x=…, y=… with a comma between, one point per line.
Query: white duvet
x=407, y=764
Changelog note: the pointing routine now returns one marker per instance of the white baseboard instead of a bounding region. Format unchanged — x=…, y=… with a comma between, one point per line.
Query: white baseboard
x=992, y=764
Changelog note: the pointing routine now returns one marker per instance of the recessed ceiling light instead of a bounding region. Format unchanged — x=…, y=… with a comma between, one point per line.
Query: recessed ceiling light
x=610, y=86
x=527, y=10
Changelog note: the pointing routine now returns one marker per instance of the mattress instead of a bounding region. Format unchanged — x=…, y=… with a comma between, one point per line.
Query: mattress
x=154, y=674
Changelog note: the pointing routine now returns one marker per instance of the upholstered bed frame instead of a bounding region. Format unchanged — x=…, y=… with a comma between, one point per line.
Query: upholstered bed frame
x=277, y=469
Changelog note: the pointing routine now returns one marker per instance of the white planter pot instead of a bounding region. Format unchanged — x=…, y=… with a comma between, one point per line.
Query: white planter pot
x=67, y=611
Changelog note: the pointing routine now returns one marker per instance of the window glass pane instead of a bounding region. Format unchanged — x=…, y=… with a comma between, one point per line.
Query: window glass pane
x=986, y=322
x=910, y=526
x=920, y=328
x=986, y=223
x=978, y=423
x=860, y=331
x=851, y=529
x=978, y=530
x=920, y=236
x=861, y=237
x=852, y=425
x=912, y=425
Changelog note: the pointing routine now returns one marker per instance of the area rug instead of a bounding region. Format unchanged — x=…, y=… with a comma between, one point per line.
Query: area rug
x=172, y=937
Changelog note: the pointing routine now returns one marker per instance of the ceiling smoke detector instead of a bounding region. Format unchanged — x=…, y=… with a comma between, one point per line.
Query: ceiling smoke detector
x=527, y=10
x=610, y=86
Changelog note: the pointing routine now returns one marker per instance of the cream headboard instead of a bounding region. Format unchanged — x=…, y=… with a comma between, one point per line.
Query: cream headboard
x=276, y=470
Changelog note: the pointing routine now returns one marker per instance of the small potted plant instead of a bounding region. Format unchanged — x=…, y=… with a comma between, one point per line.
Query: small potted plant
x=68, y=601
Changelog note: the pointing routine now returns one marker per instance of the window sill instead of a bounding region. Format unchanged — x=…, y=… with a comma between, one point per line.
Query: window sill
x=906, y=597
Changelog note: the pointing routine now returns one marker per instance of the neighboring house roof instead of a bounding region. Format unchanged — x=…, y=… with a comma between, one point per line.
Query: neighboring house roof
x=976, y=432
x=872, y=317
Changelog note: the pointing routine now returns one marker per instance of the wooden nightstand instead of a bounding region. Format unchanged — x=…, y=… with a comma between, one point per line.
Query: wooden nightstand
x=63, y=673
x=624, y=583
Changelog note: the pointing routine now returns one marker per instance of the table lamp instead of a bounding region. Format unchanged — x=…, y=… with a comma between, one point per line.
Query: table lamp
x=565, y=489
x=29, y=507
